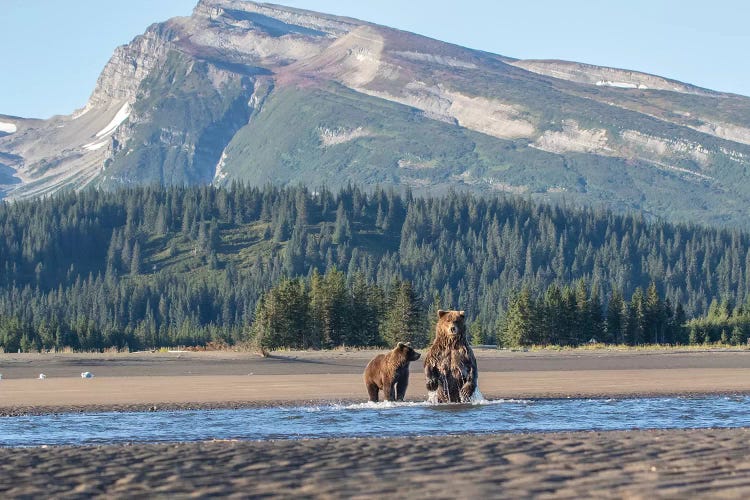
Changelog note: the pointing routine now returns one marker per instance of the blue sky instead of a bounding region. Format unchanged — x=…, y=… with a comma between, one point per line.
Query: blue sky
x=51, y=51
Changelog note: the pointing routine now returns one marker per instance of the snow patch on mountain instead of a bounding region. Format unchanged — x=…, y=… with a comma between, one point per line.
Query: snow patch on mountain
x=606, y=77
x=93, y=146
x=219, y=174
x=121, y=116
x=620, y=85
x=8, y=128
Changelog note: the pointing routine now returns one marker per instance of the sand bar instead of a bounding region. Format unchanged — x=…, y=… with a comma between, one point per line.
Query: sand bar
x=140, y=381
x=251, y=390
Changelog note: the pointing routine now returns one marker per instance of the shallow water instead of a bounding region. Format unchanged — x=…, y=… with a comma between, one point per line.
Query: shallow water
x=378, y=419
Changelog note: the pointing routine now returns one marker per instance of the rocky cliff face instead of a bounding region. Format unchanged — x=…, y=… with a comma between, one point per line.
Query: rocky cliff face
x=607, y=77
x=264, y=94
x=71, y=151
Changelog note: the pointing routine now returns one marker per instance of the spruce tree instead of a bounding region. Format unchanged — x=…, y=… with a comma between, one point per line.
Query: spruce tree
x=135, y=261
x=404, y=319
x=519, y=327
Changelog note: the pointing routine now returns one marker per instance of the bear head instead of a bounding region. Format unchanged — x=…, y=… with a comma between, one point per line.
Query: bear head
x=451, y=326
x=405, y=350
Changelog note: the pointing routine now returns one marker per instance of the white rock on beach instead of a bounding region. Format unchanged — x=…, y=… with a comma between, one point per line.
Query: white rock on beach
x=42, y=376
x=87, y=375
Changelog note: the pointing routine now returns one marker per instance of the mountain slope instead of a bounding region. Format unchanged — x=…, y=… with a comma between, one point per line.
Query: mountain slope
x=263, y=93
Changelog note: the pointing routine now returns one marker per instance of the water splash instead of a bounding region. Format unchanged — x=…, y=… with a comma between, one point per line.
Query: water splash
x=432, y=397
x=370, y=405
x=477, y=398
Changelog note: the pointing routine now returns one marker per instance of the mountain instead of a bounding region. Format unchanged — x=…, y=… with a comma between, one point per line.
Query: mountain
x=269, y=94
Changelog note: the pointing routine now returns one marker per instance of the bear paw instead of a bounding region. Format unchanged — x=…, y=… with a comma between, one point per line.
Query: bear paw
x=465, y=393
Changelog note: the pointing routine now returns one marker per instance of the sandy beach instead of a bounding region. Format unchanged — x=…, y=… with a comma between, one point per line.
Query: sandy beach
x=633, y=464
x=142, y=381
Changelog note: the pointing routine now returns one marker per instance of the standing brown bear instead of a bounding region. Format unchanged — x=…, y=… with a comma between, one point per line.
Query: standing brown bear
x=390, y=373
x=450, y=365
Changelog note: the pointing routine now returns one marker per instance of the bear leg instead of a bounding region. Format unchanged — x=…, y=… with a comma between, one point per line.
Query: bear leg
x=431, y=374
x=403, y=383
x=443, y=396
x=372, y=390
x=389, y=392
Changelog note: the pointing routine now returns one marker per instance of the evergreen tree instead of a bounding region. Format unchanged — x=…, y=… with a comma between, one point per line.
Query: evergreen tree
x=653, y=316
x=738, y=337
x=519, y=326
x=680, y=334
x=614, y=321
x=432, y=317
x=637, y=317
x=342, y=231
x=135, y=261
x=404, y=318
x=477, y=332
x=365, y=314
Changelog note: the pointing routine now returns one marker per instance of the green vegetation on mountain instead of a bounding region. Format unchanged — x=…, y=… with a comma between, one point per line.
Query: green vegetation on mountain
x=183, y=117
x=156, y=266
x=397, y=145
x=381, y=142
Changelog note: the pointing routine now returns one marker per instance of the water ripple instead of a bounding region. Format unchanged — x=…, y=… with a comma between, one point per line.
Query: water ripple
x=378, y=419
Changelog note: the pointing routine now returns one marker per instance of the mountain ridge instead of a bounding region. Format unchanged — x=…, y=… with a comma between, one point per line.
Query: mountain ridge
x=198, y=99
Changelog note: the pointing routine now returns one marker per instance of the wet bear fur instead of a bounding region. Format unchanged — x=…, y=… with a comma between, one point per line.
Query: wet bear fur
x=449, y=364
x=390, y=373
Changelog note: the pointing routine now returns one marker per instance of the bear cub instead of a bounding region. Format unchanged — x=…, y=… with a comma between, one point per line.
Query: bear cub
x=390, y=373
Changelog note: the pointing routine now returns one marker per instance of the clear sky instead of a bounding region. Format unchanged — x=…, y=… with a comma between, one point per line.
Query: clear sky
x=51, y=51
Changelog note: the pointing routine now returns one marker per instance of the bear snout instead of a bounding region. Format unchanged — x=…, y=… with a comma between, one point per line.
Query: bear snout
x=454, y=330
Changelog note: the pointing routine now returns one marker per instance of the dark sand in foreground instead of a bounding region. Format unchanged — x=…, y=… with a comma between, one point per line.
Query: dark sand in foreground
x=634, y=464
x=643, y=464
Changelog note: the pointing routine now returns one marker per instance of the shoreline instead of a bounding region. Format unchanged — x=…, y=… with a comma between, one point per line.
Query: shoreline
x=226, y=380
x=19, y=411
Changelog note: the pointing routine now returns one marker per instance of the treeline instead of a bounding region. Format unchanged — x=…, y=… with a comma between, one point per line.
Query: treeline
x=723, y=323
x=574, y=315
x=159, y=266
x=104, y=311
x=325, y=311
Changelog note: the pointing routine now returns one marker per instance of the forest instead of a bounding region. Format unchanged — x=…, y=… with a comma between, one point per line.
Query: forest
x=149, y=267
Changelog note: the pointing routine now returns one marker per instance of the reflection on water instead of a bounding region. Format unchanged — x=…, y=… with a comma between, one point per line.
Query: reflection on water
x=378, y=419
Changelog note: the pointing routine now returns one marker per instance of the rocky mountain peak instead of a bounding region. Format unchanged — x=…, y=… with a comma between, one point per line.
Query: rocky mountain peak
x=270, y=94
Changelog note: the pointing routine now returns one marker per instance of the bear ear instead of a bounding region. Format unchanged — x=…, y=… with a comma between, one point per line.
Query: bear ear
x=407, y=344
x=441, y=313
x=462, y=314
x=400, y=344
